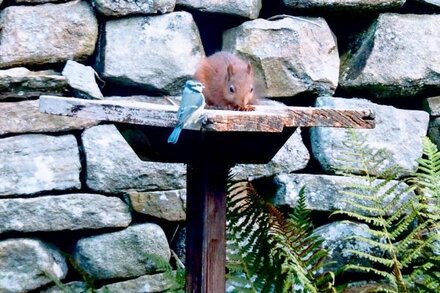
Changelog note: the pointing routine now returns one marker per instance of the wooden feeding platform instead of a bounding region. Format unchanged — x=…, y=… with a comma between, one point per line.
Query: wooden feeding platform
x=209, y=148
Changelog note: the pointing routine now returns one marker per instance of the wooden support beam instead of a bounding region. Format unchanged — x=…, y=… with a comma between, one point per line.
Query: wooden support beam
x=206, y=227
x=263, y=119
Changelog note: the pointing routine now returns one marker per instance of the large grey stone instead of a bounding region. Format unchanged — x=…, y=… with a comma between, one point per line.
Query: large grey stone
x=291, y=157
x=399, y=55
x=143, y=284
x=47, y=33
x=21, y=83
x=127, y=7
x=33, y=163
x=27, y=264
x=432, y=105
x=113, y=166
x=169, y=205
x=398, y=133
x=337, y=244
x=329, y=193
x=246, y=8
x=345, y=4
x=82, y=79
x=123, y=254
x=63, y=212
x=290, y=56
x=24, y=117
x=156, y=53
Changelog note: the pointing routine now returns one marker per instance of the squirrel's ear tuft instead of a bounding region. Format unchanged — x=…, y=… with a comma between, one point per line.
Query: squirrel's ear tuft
x=230, y=70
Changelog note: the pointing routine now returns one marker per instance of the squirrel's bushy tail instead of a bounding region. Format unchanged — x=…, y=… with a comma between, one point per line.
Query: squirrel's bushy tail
x=174, y=136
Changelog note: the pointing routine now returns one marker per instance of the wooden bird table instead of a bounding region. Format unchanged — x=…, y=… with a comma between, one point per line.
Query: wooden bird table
x=209, y=149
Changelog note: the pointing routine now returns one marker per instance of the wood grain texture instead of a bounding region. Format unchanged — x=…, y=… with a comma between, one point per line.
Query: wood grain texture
x=263, y=119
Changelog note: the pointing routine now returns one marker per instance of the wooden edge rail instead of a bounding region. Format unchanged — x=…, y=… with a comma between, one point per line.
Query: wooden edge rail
x=263, y=119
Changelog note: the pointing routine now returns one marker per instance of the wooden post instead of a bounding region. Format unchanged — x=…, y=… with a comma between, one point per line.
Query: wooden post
x=206, y=227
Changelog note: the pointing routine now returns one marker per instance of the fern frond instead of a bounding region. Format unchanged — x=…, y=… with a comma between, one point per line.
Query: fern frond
x=376, y=259
x=369, y=270
x=266, y=251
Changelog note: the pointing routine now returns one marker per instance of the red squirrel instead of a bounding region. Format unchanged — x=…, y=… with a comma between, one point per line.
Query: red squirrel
x=228, y=80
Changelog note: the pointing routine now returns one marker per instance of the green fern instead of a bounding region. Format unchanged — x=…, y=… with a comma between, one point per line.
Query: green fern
x=269, y=253
x=395, y=236
x=427, y=181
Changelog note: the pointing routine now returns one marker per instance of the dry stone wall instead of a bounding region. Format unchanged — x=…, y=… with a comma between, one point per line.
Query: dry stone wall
x=74, y=189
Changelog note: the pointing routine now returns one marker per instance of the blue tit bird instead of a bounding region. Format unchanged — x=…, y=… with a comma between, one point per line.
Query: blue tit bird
x=190, y=107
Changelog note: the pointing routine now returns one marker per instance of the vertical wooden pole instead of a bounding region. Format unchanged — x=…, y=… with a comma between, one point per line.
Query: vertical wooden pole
x=206, y=227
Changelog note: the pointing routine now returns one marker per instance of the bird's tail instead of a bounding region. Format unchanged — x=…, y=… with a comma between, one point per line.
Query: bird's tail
x=174, y=136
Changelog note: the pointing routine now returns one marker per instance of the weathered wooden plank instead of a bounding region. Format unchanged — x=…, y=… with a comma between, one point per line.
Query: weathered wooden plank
x=326, y=117
x=263, y=119
x=109, y=110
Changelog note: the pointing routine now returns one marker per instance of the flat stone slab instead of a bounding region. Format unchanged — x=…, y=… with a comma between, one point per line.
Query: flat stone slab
x=35, y=41
x=127, y=7
x=432, y=105
x=245, y=8
x=34, y=163
x=82, y=79
x=327, y=193
x=398, y=56
x=63, y=212
x=22, y=83
x=164, y=67
x=113, y=166
x=398, y=133
x=122, y=254
x=25, y=264
x=368, y=5
x=144, y=284
x=169, y=205
x=290, y=56
x=25, y=117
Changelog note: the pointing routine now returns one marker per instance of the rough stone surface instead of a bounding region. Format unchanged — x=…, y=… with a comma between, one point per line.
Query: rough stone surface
x=359, y=4
x=290, y=56
x=71, y=287
x=432, y=105
x=63, y=212
x=336, y=243
x=246, y=8
x=399, y=55
x=24, y=117
x=21, y=83
x=35, y=162
x=127, y=7
x=169, y=205
x=82, y=79
x=327, y=193
x=434, y=131
x=112, y=165
x=398, y=132
x=122, y=254
x=144, y=284
x=37, y=1
x=55, y=33
x=159, y=53
x=291, y=157
x=24, y=262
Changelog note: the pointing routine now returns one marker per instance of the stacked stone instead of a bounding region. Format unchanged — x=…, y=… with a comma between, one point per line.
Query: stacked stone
x=79, y=179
